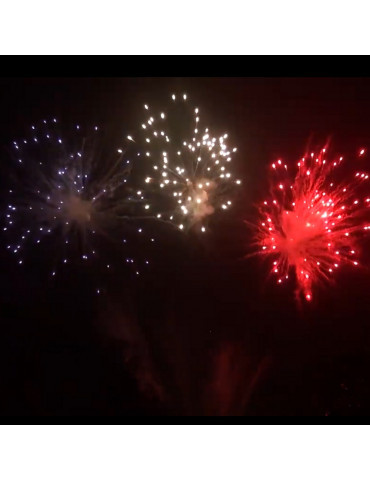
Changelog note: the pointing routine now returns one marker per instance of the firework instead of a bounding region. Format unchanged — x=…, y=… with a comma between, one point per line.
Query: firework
x=188, y=171
x=68, y=194
x=311, y=223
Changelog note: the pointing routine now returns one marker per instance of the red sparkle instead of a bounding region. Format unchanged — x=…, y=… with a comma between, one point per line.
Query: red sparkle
x=314, y=226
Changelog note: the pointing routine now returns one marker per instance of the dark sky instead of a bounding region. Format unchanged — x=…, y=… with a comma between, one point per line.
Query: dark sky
x=204, y=333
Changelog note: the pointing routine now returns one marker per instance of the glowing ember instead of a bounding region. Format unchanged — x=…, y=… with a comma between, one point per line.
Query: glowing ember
x=311, y=223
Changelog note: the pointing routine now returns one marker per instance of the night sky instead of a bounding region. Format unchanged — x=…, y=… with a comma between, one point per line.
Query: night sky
x=203, y=332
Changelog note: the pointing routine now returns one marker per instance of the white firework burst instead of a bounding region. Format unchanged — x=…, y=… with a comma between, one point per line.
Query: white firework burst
x=190, y=168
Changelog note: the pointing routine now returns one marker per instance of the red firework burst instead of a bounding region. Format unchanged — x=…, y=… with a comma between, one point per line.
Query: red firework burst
x=311, y=222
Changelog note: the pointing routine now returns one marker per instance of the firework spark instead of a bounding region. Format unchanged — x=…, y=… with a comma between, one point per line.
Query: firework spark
x=189, y=167
x=311, y=223
x=68, y=191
